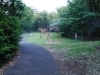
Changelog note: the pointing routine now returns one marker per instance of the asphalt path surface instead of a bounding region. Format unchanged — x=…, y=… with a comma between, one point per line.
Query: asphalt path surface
x=34, y=60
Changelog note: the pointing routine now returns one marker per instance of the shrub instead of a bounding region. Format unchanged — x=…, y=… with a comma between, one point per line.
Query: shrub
x=9, y=36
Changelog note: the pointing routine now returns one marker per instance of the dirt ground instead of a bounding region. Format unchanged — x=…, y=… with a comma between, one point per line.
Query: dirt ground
x=66, y=66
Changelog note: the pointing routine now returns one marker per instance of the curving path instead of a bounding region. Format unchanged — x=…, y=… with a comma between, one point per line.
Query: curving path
x=34, y=60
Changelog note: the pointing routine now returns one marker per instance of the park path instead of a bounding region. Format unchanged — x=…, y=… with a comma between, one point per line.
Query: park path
x=34, y=60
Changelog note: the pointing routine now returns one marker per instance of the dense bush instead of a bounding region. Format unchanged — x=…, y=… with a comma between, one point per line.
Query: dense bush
x=9, y=37
x=10, y=15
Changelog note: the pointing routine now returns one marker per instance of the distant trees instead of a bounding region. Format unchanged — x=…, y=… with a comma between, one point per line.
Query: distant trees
x=44, y=19
x=81, y=17
x=27, y=20
x=41, y=20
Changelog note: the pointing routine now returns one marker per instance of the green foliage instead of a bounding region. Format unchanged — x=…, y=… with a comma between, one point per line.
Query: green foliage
x=9, y=37
x=41, y=20
x=53, y=18
x=10, y=29
x=27, y=20
x=44, y=19
x=80, y=17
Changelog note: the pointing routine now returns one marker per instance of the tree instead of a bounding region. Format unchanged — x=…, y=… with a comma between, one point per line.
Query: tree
x=44, y=19
x=27, y=21
x=41, y=20
x=53, y=17
x=80, y=17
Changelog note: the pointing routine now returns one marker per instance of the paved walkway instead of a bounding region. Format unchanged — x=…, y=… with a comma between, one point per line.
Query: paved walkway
x=34, y=60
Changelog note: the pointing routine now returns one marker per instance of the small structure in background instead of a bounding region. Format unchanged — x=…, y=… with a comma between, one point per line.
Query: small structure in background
x=47, y=31
x=75, y=36
x=55, y=29
x=42, y=30
x=29, y=34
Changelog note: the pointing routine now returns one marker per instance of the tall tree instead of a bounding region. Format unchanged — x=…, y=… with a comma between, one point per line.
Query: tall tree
x=27, y=21
x=41, y=20
x=80, y=17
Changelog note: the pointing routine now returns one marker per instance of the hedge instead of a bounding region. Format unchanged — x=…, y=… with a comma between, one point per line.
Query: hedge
x=9, y=37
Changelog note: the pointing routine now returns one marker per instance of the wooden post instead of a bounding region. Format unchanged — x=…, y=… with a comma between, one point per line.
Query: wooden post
x=75, y=36
x=48, y=36
x=59, y=36
x=40, y=36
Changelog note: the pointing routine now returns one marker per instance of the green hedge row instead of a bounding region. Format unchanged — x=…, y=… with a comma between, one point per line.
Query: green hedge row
x=9, y=36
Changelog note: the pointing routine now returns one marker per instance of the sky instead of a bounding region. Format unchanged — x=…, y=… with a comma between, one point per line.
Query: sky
x=47, y=5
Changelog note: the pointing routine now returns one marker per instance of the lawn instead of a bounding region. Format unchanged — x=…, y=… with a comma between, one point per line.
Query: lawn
x=86, y=52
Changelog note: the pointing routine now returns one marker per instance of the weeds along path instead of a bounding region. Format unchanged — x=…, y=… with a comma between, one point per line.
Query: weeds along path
x=34, y=60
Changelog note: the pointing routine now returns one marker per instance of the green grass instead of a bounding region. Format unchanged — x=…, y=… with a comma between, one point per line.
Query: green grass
x=35, y=38
x=73, y=48
x=81, y=51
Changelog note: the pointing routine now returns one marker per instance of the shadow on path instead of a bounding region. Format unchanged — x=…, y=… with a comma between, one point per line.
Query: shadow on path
x=34, y=60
